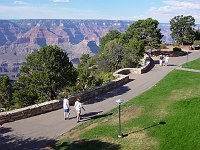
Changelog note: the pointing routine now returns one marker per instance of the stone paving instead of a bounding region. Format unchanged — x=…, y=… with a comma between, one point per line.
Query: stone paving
x=187, y=69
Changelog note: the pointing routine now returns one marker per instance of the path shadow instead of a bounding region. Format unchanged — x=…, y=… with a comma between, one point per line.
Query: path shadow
x=170, y=53
x=160, y=123
x=152, y=64
x=171, y=65
x=115, y=92
x=10, y=142
x=4, y=130
x=90, y=114
x=93, y=115
x=156, y=62
x=85, y=144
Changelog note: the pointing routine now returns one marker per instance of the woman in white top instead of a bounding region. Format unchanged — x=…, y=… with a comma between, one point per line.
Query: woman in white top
x=77, y=107
x=166, y=60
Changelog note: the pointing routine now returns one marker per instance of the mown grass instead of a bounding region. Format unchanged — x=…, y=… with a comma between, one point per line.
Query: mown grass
x=166, y=117
x=195, y=64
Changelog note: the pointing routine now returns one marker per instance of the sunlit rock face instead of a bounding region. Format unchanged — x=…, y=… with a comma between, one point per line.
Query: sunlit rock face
x=18, y=38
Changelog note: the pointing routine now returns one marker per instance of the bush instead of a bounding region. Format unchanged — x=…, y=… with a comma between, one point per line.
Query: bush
x=196, y=45
x=163, y=46
x=147, y=48
x=196, y=42
x=177, y=49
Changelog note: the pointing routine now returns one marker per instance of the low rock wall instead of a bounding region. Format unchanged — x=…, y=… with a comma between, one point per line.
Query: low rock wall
x=147, y=62
x=45, y=107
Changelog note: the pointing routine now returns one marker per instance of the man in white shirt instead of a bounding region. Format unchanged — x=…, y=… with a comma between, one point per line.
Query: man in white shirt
x=66, y=107
x=77, y=107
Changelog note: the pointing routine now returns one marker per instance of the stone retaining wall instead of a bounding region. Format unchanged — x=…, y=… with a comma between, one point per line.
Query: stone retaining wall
x=146, y=64
x=45, y=107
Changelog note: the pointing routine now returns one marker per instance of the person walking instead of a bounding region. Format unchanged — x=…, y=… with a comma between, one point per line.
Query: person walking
x=166, y=60
x=161, y=60
x=149, y=52
x=77, y=106
x=66, y=107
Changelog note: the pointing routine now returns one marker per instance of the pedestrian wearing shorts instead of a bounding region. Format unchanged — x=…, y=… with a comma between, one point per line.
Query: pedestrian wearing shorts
x=78, y=106
x=161, y=60
x=166, y=60
x=66, y=107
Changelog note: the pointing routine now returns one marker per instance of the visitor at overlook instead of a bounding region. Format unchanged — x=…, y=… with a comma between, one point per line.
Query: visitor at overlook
x=77, y=106
x=149, y=52
x=66, y=107
x=161, y=59
x=166, y=60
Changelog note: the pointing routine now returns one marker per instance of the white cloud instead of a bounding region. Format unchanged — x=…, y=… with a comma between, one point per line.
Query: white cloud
x=60, y=1
x=19, y=2
x=173, y=8
x=43, y=12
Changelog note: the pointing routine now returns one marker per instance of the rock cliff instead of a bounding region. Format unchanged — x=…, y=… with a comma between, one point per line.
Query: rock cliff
x=18, y=38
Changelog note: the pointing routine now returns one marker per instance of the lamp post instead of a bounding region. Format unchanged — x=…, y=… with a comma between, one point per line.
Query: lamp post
x=119, y=101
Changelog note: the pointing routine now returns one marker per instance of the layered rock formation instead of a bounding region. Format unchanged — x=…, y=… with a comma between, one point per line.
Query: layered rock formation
x=18, y=38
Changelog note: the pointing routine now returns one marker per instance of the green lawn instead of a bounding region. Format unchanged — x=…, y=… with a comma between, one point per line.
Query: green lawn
x=195, y=64
x=166, y=117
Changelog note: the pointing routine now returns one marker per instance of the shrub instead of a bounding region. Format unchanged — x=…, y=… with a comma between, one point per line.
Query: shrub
x=163, y=46
x=177, y=49
x=196, y=45
x=196, y=42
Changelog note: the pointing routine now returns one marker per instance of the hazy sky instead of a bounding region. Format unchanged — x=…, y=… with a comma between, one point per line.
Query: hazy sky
x=162, y=10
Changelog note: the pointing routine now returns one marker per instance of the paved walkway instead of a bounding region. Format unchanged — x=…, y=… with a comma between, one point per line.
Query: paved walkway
x=38, y=131
x=187, y=69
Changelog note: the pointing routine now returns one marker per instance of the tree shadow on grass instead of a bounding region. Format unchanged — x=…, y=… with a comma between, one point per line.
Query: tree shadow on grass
x=85, y=144
x=10, y=142
x=160, y=123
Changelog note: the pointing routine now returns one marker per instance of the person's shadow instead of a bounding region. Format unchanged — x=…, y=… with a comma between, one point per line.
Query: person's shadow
x=93, y=115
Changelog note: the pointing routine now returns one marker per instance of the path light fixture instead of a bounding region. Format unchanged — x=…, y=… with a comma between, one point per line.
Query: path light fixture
x=120, y=135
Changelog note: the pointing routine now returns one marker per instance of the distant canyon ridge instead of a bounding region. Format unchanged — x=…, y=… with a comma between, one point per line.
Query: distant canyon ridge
x=18, y=38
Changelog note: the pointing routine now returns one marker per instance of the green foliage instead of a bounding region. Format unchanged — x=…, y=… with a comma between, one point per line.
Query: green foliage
x=163, y=46
x=144, y=30
x=89, y=75
x=114, y=34
x=125, y=50
x=196, y=45
x=196, y=42
x=197, y=34
x=182, y=28
x=110, y=58
x=86, y=74
x=133, y=51
x=5, y=93
x=177, y=49
x=43, y=76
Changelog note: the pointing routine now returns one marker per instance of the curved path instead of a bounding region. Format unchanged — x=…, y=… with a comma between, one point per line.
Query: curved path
x=38, y=131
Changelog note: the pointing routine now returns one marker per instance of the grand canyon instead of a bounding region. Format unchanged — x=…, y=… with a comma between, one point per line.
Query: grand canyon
x=18, y=38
